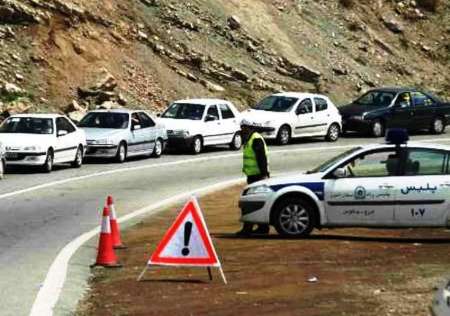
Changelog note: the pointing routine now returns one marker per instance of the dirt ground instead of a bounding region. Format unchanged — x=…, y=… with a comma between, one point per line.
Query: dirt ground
x=358, y=271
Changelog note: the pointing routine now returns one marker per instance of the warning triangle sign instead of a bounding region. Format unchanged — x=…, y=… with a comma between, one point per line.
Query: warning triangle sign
x=187, y=242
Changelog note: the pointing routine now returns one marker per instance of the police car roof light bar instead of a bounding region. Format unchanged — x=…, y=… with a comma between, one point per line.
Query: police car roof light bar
x=397, y=136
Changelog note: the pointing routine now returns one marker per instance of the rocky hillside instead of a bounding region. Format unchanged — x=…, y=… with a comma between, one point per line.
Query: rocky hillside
x=72, y=55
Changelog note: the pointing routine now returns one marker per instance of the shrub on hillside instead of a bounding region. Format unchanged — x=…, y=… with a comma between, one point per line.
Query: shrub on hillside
x=347, y=3
x=432, y=5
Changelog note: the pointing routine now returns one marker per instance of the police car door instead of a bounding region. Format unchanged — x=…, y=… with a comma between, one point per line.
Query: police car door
x=423, y=193
x=361, y=191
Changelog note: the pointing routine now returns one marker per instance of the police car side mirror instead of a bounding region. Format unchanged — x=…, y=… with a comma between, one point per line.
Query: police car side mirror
x=340, y=173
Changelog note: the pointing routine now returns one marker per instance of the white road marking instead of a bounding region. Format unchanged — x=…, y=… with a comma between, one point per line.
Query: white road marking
x=174, y=163
x=51, y=289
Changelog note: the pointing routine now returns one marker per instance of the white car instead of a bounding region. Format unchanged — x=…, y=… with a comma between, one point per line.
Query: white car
x=284, y=116
x=194, y=124
x=2, y=161
x=122, y=133
x=42, y=140
x=386, y=185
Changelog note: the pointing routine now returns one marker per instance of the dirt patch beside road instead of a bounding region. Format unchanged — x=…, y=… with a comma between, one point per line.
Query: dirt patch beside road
x=359, y=271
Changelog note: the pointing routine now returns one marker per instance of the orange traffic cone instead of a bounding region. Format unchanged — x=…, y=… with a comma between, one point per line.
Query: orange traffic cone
x=106, y=256
x=115, y=229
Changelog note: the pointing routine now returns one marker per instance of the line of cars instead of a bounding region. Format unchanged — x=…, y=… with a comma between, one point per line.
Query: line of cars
x=45, y=139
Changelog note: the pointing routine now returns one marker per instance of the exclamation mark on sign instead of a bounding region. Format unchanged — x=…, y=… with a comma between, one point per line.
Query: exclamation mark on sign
x=187, y=236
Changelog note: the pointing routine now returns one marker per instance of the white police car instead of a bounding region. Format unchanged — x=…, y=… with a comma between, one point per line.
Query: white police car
x=387, y=185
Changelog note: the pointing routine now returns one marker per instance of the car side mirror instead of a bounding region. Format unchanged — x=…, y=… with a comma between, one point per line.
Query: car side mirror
x=300, y=111
x=62, y=132
x=210, y=118
x=158, y=115
x=136, y=127
x=340, y=173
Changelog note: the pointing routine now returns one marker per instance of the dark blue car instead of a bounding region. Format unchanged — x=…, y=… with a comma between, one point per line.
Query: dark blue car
x=383, y=108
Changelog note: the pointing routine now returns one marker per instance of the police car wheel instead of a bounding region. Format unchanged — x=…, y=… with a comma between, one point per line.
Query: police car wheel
x=377, y=128
x=293, y=217
x=284, y=135
x=437, y=126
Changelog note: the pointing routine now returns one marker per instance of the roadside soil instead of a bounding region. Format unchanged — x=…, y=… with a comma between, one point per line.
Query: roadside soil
x=358, y=271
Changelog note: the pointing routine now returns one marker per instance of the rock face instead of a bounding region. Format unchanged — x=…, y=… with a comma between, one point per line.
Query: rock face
x=300, y=72
x=234, y=23
x=393, y=25
x=15, y=12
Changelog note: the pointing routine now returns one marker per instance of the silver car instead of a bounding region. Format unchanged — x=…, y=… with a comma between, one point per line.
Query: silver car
x=122, y=133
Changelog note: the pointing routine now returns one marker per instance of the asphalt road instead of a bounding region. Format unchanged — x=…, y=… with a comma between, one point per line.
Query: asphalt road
x=35, y=224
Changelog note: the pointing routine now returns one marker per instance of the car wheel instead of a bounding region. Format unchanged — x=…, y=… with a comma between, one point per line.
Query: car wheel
x=437, y=126
x=294, y=217
x=78, y=161
x=48, y=165
x=121, y=155
x=284, y=135
x=377, y=128
x=236, y=144
x=197, y=145
x=333, y=133
x=158, y=149
x=2, y=168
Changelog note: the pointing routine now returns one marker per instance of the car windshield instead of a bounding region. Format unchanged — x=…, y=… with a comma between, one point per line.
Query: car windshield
x=276, y=104
x=327, y=164
x=105, y=120
x=27, y=125
x=186, y=111
x=376, y=98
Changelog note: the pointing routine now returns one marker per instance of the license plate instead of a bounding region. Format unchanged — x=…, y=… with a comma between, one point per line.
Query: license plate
x=12, y=155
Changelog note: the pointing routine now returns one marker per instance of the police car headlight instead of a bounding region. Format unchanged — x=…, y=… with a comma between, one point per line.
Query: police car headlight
x=260, y=189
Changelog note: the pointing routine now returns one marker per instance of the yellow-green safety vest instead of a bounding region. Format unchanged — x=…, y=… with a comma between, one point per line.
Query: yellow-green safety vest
x=250, y=166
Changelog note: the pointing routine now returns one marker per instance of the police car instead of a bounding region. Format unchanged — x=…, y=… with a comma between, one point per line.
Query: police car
x=386, y=185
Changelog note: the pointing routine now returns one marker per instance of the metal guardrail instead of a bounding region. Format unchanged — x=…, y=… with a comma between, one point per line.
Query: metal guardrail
x=441, y=300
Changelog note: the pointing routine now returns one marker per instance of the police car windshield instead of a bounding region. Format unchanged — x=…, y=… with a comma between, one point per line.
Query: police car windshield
x=327, y=164
x=185, y=111
x=276, y=104
x=105, y=120
x=376, y=98
x=27, y=125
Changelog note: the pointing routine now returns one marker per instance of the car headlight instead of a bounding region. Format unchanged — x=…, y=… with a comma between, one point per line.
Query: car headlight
x=104, y=142
x=260, y=189
x=358, y=117
x=181, y=132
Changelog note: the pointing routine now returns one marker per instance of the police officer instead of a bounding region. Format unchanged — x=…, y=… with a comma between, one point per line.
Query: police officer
x=255, y=166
